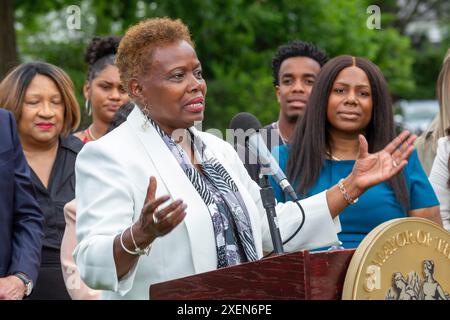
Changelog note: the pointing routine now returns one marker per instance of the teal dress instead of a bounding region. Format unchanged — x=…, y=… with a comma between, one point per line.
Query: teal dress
x=377, y=205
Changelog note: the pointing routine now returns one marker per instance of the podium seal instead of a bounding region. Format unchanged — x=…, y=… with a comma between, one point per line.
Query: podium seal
x=401, y=259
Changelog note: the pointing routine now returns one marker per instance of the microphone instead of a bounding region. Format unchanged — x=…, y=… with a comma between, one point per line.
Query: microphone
x=268, y=201
x=250, y=126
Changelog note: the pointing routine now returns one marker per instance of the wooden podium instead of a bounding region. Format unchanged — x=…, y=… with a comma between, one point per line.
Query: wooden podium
x=301, y=276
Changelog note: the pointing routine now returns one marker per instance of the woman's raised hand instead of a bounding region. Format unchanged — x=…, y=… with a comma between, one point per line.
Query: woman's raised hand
x=155, y=222
x=373, y=168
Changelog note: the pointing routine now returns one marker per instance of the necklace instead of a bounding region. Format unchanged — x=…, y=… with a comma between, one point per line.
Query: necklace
x=332, y=157
x=279, y=132
x=91, y=136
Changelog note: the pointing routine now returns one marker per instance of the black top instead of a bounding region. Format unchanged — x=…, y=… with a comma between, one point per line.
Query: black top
x=253, y=169
x=61, y=189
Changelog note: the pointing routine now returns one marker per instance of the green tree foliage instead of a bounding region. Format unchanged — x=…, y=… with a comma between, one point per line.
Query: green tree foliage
x=235, y=40
x=426, y=56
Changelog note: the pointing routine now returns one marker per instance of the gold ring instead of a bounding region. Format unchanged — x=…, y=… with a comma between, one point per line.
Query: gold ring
x=155, y=219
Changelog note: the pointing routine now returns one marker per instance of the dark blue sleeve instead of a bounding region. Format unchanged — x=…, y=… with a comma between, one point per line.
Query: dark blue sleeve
x=28, y=218
x=280, y=154
x=421, y=192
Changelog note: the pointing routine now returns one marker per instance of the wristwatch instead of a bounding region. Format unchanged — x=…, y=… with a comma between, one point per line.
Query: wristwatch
x=26, y=281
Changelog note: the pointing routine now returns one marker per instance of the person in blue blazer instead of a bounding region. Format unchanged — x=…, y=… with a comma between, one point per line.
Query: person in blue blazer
x=21, y=219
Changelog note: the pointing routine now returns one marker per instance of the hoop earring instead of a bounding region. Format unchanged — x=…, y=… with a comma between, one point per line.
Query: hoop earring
x=146, y=123
x=87, y=106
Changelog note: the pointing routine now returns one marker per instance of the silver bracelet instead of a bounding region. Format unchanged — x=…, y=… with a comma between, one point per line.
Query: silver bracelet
x=138, y=250
x=134, y=253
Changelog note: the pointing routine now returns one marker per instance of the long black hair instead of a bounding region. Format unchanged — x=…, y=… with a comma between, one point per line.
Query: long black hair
x=311, y=138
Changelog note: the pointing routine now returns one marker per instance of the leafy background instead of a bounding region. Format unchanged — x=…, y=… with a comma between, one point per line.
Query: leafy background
x=235, y=40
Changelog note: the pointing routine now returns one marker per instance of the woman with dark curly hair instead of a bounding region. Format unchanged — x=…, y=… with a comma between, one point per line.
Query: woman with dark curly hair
x=130, y=235
x=102, y=90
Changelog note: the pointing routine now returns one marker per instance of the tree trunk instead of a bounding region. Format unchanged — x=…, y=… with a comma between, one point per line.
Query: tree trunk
x=8, y=50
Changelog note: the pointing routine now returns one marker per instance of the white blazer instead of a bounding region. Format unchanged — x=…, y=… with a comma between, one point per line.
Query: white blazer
x=112, y=178
x=439, y=176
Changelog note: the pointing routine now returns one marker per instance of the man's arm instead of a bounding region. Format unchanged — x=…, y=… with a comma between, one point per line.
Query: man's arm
x=28, y=218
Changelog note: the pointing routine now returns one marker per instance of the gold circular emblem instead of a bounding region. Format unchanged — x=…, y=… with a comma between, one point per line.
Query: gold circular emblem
x=401, y=259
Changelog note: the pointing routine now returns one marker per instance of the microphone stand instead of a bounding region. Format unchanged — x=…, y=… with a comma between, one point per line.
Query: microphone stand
x=268, y=200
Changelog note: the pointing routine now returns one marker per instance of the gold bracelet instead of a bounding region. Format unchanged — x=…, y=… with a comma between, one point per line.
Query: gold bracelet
x=344, y=192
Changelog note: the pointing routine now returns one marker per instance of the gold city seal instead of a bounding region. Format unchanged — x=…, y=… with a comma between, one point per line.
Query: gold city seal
x=401, y=259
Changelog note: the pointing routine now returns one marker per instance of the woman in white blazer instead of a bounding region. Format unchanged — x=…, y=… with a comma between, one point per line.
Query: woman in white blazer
x=130, y=236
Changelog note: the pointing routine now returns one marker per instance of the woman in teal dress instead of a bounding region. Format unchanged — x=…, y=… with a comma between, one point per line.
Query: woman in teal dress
x=351, y=98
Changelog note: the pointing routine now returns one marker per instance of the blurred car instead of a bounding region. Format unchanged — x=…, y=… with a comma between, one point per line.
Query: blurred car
x=416, y=115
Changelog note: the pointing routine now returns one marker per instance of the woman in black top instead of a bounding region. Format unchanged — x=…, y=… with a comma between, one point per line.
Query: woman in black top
x=41, y=96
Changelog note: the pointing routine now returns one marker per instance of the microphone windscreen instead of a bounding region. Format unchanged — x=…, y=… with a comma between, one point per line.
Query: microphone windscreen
x=244, y=121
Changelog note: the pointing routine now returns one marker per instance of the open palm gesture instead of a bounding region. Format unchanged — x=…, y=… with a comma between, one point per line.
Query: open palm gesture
x=373, y=168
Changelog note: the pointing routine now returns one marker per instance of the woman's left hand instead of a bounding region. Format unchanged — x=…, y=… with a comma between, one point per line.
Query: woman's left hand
x=373, y=168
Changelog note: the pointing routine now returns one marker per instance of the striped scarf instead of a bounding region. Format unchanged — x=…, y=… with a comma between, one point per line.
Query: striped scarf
x=230, y=218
